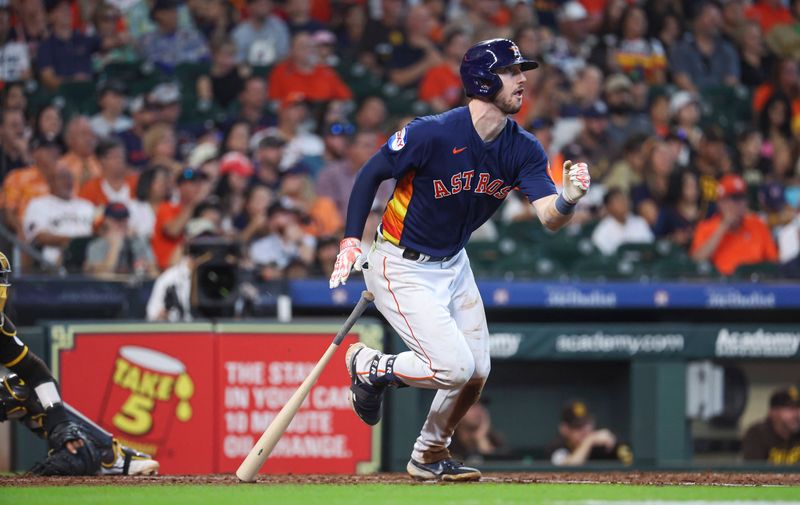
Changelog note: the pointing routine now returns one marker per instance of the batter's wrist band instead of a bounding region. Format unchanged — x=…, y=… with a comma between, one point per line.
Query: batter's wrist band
x=563, y=206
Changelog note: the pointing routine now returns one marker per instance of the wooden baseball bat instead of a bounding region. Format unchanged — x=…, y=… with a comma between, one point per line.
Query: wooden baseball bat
x=249, y=468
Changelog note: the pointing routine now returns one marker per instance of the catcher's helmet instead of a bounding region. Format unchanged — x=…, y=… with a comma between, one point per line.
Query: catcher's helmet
x=482, y=60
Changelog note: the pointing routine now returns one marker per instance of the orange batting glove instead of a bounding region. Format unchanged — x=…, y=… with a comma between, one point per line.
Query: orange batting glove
x=349, y=258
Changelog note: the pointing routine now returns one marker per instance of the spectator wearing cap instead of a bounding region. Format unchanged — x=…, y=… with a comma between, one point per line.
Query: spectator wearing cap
x=570, y=49
x=51, y=221
x=111, y=118
x=166, y=98
x=592, y=143
x=236, y=171
x=268, y=156
x=335, y=181
x=302, y=73
x=286, y=242
x=14, y=151
x=441, y=86
x=769, y=14
x=418, y=54
x=143, y=116
x=702, y=58
x=117, y=249
x=623, y=118
x=579, y=442
x=80, y=156
x=115, y=183
x=263, y=38
x=15, y=64
x=776, y=439
x=171, y=218
x=24, y=184
x=66, y=55
x=337, y=137
x=684, y=113
x=297, y=188
x=619, y=226
x=170, y=44
x=733, y=236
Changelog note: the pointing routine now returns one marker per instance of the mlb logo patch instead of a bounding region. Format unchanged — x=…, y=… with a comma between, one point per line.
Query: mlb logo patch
x=398, y=140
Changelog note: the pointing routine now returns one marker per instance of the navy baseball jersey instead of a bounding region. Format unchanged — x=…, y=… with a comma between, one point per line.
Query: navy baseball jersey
x=449, y=181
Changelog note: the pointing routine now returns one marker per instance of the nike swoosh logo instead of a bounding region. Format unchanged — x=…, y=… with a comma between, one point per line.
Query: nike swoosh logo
x=456, y=151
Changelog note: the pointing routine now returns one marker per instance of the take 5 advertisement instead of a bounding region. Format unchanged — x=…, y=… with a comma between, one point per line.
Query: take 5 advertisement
x=197, y=396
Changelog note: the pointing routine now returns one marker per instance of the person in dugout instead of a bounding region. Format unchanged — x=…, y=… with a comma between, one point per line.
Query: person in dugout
x=30, y=395
x=776, y=439
x=579, y=442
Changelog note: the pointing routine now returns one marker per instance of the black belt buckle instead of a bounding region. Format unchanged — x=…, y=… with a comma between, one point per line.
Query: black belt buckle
x=411, y=254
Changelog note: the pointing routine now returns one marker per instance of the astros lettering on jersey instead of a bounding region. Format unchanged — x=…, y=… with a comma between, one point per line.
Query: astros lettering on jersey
x=444, y=169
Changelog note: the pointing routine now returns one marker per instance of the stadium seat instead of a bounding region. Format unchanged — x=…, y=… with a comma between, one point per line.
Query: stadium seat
x=681, y=267
x=566, y=248
x=598, y=268
x=79, y=96
x=642, y=252
x=757, y=272
x=524, y=231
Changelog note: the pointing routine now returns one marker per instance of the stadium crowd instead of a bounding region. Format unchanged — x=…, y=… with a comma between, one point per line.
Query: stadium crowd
x=127, y=124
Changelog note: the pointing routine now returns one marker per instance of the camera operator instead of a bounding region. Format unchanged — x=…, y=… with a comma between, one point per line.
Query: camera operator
x=170, y=299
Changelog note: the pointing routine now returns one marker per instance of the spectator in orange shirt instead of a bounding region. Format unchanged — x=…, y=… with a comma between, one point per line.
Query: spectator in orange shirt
x=733, y=236
x=171, y=218
x=769, y=13
x=441, y=86
x=302, y=73
x=80, y=158
x=114, y=184
x=24, y=184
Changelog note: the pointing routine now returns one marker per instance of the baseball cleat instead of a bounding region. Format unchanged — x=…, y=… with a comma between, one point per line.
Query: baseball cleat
x=129, y=461
x=365, y=399
x=447, y=470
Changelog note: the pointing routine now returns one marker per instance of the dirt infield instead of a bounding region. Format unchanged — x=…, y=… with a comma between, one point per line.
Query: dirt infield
x=641, y=478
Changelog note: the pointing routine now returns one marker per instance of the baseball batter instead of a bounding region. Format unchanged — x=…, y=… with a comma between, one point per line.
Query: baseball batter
x=453, y=171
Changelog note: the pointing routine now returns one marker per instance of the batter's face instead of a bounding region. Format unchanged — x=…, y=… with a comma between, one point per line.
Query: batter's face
x=509, y=98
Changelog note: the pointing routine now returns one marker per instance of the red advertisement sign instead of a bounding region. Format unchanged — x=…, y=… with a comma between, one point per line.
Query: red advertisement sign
x=258, y=375
x=153, y=391
x=197, y=401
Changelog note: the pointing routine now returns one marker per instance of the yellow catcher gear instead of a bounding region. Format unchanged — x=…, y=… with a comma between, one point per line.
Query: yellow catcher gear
x=5, y=273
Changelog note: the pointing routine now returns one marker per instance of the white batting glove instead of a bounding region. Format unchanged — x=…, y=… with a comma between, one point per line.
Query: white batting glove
x=576, y=181
x=349, y=258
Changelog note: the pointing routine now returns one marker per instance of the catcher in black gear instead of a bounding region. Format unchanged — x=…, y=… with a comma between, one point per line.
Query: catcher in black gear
x=30, y=394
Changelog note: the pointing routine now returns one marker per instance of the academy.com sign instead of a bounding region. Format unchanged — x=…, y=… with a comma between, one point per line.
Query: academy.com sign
x=620, y=343
x=757, y=343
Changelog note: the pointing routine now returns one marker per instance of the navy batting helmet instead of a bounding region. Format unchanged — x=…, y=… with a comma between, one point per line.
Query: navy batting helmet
x=482, y=60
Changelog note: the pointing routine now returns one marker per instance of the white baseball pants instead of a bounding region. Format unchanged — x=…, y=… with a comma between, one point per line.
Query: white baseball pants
x=437, y=310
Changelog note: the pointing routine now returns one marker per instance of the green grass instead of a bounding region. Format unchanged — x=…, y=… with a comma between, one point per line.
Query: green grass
x=386, y=494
